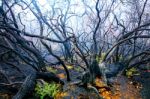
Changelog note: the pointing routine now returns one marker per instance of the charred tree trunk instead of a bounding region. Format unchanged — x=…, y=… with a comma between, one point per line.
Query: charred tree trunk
x=27, y=87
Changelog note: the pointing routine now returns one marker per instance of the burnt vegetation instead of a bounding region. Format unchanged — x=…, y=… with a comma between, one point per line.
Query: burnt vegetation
x=103, y=43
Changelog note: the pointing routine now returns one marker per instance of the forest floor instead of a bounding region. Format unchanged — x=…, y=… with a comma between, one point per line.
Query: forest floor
x=137, y=87
x=123, y=87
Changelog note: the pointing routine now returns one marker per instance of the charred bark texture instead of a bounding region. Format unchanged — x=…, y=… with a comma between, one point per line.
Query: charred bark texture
x=26, y=87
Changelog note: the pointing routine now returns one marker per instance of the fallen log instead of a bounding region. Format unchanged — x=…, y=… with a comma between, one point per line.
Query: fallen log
x=47, y=76
x=27, y=86
x=29, y=83
x=8, y=89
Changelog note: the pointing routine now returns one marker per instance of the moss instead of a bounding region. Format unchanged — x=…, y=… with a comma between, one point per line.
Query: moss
x=101, y=58
x=50, y=69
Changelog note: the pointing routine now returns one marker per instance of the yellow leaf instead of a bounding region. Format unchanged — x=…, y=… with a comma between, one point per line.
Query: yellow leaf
x=61, y=95
x=69, y=66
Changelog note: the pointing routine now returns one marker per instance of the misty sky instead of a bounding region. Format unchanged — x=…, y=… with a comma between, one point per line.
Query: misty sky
x=81, y=17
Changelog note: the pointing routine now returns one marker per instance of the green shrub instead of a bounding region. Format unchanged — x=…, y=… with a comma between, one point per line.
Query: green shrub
x=47, y=89
x=131, y=72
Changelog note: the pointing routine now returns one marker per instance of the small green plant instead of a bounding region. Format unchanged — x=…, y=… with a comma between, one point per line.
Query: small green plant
x=131, y=72
x=47, y=89
x=78, y=69
x=50, y=69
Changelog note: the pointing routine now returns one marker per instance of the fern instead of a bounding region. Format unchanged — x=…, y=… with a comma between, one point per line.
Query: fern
x=48, y=89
